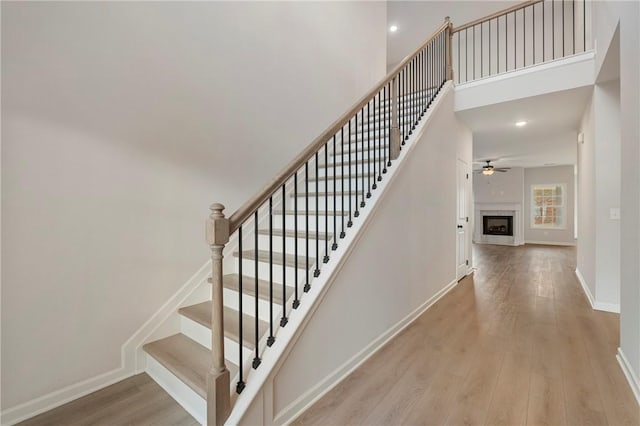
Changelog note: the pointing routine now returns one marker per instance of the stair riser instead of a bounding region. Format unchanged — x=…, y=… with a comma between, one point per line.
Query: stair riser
x=231, y=300
x=248, y=269
x=202, y=335
x=359, y=167
x=290, y=222
x=341, y=203
x=328, y=184
x=263, y=241
x=183, y=394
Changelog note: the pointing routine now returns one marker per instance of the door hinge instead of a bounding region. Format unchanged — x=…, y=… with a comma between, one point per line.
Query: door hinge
x=467, y=175
x=467, y=262
x=467, y=219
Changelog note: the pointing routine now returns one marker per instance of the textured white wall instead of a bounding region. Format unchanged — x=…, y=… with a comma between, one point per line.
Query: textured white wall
x=550, y=175
x=122, y=123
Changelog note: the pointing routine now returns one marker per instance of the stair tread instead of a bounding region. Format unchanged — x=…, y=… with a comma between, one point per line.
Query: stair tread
x=201, y=313
x=292, y=233
x=232, y=282
x=289, y=259
x=186, y=359
x=311, y=213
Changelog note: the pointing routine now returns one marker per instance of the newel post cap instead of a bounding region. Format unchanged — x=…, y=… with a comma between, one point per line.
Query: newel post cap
x=217, y=227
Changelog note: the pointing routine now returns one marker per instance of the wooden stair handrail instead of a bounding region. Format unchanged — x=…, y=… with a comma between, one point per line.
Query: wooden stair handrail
x=497, y=14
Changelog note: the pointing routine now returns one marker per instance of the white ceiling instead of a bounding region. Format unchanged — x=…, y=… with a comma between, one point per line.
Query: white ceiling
x=417, y=20
x=549, y=138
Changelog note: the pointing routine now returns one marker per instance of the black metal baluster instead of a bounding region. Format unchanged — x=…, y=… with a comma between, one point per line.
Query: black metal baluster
x=584, y=25
x=553, y=29
x=498, y=45
x=357, y=212
x=384, y=120
x=376, y=149
x=489, y=23
x=473, y=33
x=296, y=300
x=334, y=246
x=506, y=42
x=307, y=284
x=563, y=28
x=284, y=320
x=515, y=41
x=544, y=28
x=350, y=222
x=369, y=153
x=326, y=201
x=458, y=68
x=524, y=37
x=388, y=118
x=482, y=50
x=533, y=9
x=342, y=234
x=573, y=22
x=316, y=273
x=240, y=385
x=256, y=359
x=466, y=54
x=271, y=339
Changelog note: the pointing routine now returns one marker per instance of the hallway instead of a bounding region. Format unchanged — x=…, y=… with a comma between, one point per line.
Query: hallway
x=516, y=343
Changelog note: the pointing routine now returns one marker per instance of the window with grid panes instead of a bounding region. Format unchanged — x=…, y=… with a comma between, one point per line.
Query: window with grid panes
x=548, y=206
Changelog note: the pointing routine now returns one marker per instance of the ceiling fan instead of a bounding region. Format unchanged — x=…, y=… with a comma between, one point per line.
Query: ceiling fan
x=489, y=169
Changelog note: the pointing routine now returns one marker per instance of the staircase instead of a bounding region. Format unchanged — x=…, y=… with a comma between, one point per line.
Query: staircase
x=281, y=250
x=277, y=245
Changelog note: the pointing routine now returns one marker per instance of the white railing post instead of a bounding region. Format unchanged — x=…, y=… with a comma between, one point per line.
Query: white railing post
x=218, y=390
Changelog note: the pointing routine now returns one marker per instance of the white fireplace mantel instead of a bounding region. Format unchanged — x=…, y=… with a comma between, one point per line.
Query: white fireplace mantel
x=499, y=209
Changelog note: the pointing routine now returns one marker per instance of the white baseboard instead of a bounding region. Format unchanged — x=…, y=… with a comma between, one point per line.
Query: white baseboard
x=598, y=306
x=633, y=380
x=54, y=399
x=551, y=243
x=305, y=401
x=131, y=360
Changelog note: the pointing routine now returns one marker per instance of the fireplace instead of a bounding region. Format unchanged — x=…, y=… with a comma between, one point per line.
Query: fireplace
x=497, y=225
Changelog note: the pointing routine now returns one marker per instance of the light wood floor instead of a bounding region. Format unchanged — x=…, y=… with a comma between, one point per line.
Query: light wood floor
x=134, y=401
x=517, y=343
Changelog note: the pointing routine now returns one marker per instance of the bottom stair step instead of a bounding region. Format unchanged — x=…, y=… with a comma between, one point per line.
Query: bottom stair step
x=186, y=359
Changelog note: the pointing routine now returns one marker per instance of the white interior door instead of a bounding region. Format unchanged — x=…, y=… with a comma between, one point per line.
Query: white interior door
x=462, y=220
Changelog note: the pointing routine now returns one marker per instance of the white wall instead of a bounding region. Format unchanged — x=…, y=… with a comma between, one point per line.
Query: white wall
x=586, y=251
x=627, y=14
x=400, y=261
x=550, y=175
x=499, y=187
x=122, y=123
x=598, y=259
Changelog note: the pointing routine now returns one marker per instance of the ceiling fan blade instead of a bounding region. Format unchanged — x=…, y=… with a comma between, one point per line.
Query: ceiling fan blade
x=500, y=170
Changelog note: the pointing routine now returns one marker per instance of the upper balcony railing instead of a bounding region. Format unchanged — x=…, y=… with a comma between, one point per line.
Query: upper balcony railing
x=526, y=34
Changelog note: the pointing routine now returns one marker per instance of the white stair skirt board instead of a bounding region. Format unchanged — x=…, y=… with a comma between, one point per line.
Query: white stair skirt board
x=598, y=306
x=183, y=394
x=633, y=380
x=298, y=318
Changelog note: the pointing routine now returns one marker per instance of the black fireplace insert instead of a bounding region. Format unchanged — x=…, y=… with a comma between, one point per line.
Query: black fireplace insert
x=497, y=225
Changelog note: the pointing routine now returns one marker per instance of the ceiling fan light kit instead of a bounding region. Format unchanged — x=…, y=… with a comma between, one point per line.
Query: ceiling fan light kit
x=489, y=169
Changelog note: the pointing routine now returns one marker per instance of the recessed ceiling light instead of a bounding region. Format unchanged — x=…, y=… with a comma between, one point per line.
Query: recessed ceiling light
x=393, y=28
x=521, y=123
